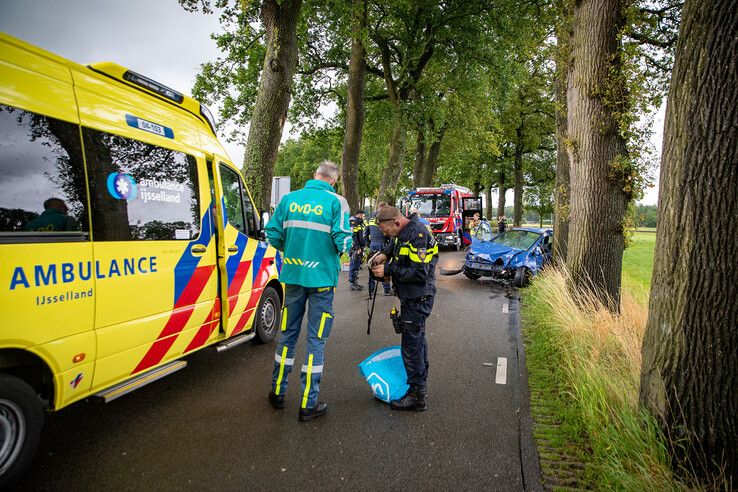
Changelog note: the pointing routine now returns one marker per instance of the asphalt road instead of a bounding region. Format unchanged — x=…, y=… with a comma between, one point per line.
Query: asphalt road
x=210, y=426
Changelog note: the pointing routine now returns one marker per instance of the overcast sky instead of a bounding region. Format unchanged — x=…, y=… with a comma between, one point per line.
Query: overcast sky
x=156, y=38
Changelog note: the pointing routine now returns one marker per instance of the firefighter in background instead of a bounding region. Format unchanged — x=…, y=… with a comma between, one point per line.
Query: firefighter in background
x=410, y=260
x=474, y=224
x=357, y=251
x=311, y=228
x=376, y=241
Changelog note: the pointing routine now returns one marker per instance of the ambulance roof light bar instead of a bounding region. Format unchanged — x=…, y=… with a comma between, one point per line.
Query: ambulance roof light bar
x=153, y=86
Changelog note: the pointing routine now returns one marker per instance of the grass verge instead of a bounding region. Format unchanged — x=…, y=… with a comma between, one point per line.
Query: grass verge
x=584, y=368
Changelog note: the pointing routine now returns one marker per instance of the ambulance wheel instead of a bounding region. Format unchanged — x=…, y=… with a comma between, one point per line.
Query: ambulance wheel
x=522, y=277
x=267, y=316
x=21, y=419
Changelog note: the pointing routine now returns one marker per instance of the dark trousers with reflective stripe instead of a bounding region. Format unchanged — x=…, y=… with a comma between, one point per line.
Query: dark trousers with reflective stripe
x=413, y=313
x=319, y=323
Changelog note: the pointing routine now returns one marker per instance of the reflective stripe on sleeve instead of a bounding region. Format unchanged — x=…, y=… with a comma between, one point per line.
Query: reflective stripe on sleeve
x=304, y=224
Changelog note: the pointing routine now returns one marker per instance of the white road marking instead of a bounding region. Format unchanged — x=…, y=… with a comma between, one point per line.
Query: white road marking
x=501, y=377
x=505, y=308
x=489, y=364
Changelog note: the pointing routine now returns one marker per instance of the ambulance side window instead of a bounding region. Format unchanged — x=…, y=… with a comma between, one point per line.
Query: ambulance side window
x=140, y=191
x=43, y=197
x=232, y=195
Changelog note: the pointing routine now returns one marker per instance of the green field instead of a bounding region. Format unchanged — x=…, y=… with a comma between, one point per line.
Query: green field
x=638, y=264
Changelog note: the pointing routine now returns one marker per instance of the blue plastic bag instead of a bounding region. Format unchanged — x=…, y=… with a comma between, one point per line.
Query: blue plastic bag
x=385, y=373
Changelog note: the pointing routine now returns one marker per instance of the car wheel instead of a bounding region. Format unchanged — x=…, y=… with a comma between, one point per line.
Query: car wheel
x=21, y=419
x=522, y=277
x=268, y=315
x=471, y=275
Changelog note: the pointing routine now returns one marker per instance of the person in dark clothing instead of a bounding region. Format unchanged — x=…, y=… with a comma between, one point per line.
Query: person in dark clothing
x=54, y=218
x=376, y=241
x=357, y=251
x=501, y=224
x=410, y=260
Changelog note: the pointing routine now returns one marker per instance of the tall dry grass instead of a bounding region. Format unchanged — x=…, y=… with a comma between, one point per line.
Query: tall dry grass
x=600, y=355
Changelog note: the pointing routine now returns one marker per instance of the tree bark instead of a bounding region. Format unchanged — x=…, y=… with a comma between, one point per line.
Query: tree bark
x=419, y=158
x=690, y=350
x=355, y=107
x=501, y=199
x=270, y=109
x=431, y=162
x=598, y=200
x=561, y=192
x=518, y=170
x=395, y=163
x=488, y=197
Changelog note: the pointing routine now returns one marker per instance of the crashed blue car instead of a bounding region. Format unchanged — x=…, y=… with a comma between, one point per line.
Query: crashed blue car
x=514, y=256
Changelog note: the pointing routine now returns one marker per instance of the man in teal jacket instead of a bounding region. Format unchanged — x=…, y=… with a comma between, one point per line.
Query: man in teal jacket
x=311, y=228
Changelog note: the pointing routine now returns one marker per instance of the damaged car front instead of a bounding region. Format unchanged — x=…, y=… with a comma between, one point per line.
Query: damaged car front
x=513, y=256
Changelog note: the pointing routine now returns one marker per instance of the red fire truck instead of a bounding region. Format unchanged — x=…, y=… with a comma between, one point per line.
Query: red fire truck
x=448, y=208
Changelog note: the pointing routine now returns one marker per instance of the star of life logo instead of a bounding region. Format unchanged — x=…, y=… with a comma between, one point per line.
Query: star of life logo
x=122, y=186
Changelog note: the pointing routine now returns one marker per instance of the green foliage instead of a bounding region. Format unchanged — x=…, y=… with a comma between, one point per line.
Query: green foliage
x=298, y=158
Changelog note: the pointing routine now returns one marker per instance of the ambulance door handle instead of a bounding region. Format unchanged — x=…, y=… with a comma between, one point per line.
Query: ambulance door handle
x=198, y=249
x=233, y=249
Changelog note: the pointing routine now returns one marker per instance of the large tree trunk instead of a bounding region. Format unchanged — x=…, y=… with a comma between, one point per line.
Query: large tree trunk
x=689, y=377
x=273, y=100
x=431, y=162
x=488, y=199
x=501, y=199
x=395, y=163
x=355, y=108
x=518, y=197
x=598, y=202
x=561, y=192
x=419, y=157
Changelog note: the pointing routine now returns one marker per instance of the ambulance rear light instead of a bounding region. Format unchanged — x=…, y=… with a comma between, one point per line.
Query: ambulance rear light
x=153, y=86
x=205, y=112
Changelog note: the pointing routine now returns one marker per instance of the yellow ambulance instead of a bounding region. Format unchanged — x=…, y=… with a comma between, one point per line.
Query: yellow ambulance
x=127, y=240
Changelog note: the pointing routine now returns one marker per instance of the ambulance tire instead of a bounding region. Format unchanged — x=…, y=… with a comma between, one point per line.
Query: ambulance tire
x=21, y=420
x=267, y=316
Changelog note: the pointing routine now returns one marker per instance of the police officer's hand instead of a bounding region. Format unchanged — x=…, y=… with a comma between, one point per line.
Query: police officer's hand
x=378, y=270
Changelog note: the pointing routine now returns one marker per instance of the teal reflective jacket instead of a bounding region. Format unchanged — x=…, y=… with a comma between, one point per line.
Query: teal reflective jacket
x=311, y=228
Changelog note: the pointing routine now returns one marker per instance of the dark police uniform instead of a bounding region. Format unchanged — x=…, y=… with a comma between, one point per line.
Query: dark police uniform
x=412, y=263
x=357, y=251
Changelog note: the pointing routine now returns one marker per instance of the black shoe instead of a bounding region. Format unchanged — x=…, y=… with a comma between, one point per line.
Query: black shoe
x=312, y=413
x=356, y=286
x=387, y=293
x=277, y=401
x=414, y=399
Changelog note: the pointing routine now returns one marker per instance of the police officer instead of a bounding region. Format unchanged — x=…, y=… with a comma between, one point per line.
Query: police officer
x=357, y=252
x=376, y=241
x=410, y=260
x=311, y=227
